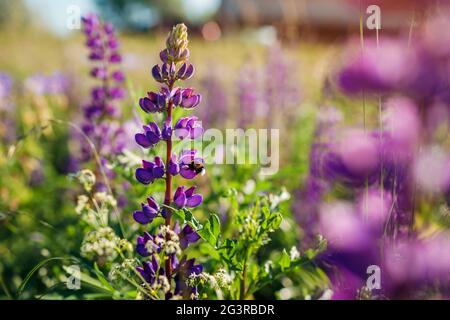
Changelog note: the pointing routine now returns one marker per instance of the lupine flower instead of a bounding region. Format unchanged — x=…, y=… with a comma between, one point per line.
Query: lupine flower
x=171, y=242
x=43, y=85
x=150, y=171
x=389, y=172
x=173, y=167
x=190, y=164
x=150, y=137
x=101, y=109
x=188, y=127
x=141, y=244
x=307, y=199
x=8, y=128
x=153, y=102
x=249, y=96
x=187, y=236
x=187, y=198
x=281, y=93
x=148, y=213
x=147, y=245
x=189, y=100
x=148, y=272
x=378, y=69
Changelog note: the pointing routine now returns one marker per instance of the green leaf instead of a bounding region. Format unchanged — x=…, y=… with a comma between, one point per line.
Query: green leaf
x=285, y=261
x=33, y=271
x=180, y=214
x=102, y=278
x=215, y=225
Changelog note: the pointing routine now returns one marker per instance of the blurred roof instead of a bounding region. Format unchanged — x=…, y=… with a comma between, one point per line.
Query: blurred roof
x=328, y=13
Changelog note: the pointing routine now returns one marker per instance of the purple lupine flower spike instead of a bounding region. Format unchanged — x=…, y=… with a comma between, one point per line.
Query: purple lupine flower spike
x=175, y=67
x=99, y=113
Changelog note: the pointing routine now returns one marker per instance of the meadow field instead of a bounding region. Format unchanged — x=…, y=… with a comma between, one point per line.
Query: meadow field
x=126, y=166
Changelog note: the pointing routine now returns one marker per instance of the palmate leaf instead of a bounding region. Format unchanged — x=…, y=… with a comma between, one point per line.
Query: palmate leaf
x=209, y=231
x=286, y=264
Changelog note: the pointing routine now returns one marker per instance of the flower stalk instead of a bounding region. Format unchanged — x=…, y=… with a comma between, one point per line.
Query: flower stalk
x=168, y=268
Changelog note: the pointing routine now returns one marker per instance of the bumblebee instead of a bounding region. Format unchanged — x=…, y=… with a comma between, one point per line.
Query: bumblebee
x=199, y=168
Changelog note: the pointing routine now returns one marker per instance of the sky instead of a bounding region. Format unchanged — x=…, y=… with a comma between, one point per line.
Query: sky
x=53, y=13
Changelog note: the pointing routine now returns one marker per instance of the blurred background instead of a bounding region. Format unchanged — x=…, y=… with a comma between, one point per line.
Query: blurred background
x=259, y=64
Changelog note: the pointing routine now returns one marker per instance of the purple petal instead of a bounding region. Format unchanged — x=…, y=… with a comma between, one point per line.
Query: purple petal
x=191, y=102
x=194, y=201
x=141, y=217
x=142, y=140
x=180, y=200
x=152, y=137
x=152, y=203
x=147, y=105
x=189, y=192
x=156, y=73
x=182, y=71
x=158, y=172
x=189, y=72
x=144, y=176
x=187, y=173
x=150, y=212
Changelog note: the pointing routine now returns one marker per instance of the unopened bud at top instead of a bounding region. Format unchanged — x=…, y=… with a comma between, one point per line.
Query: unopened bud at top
x=176, y=43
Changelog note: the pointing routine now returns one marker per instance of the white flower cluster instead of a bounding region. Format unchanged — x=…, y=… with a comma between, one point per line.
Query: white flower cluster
x=86, y=178
x=100, y=244
x=124, y=269
x=105, y=199
x=294, y=254
x=95, y=210
x=275, y=200
x=171, y=246
x=223, y=279
x=220, y=280
x=161, y=284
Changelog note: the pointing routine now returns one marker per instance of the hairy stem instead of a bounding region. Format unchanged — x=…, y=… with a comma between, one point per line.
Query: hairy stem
x=168, y=194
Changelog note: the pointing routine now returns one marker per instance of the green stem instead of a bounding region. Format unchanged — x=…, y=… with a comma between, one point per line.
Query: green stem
x=242, y=290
